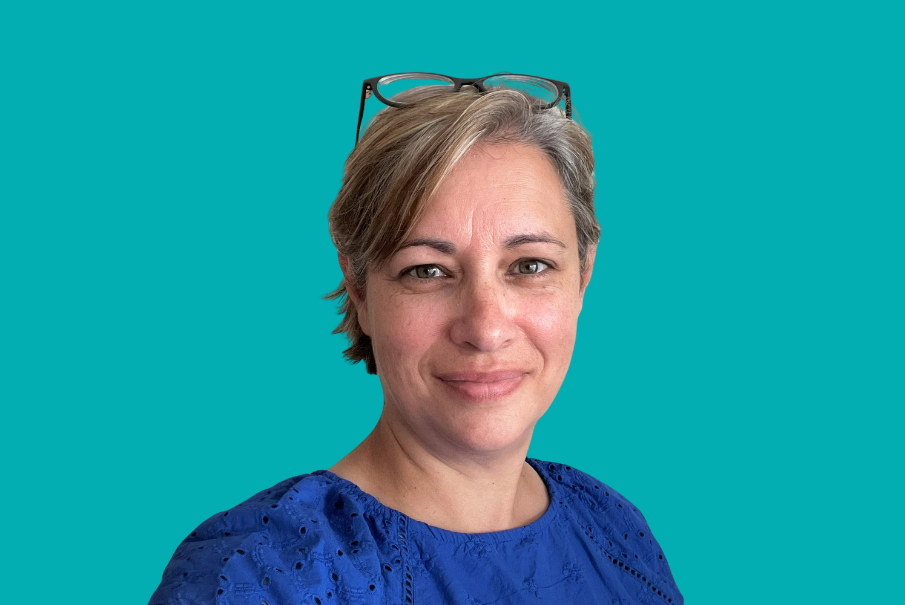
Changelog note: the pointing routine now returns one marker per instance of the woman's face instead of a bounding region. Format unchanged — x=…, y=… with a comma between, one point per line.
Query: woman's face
x=473, y=321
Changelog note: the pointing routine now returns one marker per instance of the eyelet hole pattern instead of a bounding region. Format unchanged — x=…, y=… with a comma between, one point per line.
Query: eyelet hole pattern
x=407, y=580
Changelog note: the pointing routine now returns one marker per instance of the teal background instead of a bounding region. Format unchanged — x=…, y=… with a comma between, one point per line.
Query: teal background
x=166, y=353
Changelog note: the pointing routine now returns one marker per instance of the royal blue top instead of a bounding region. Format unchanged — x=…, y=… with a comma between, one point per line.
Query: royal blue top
x=319, y=539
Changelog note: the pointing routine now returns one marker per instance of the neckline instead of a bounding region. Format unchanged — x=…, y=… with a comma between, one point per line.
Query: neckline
x=446, y=535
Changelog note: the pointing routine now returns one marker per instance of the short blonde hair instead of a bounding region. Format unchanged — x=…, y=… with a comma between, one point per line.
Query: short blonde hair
x=406, y=153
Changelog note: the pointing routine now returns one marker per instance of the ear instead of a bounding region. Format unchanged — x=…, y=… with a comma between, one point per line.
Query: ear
x=588, y=270
x=355, y=295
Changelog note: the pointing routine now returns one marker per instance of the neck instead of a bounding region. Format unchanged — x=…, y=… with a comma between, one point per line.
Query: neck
x=469, y=492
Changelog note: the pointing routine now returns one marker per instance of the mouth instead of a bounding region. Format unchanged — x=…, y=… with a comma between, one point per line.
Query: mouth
x=482, y=387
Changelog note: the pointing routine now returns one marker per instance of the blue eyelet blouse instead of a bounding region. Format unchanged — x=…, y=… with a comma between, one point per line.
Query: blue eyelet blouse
x=319, y=539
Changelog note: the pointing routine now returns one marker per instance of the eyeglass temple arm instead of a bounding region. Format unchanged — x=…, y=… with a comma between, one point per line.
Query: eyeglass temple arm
x=365, y=93
x=568, y=95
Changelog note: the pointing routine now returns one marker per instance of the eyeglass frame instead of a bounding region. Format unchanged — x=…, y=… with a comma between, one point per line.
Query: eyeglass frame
x=369, y=86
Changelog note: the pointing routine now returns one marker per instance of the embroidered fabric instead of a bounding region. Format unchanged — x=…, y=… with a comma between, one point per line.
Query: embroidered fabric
x=318, y=538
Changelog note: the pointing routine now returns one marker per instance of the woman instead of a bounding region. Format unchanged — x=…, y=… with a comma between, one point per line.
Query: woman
x=466, y=236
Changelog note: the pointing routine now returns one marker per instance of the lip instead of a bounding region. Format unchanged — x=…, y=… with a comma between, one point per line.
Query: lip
x=483, y=386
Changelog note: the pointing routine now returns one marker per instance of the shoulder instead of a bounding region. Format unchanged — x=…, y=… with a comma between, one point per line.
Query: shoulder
x=611, y=521
x=263, y=546
x=600, y=496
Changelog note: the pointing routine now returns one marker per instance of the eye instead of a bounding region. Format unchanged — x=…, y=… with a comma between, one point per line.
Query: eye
x=530, y=266
x=425, y=272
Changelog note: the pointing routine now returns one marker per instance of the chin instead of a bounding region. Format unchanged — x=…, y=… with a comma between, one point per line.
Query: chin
x=491, y=435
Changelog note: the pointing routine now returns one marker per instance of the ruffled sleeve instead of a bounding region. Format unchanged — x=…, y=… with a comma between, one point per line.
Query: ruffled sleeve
x=230, y=551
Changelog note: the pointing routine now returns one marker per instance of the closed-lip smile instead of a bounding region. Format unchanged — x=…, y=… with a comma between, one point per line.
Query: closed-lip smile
x=495, y=376
x=483, y=386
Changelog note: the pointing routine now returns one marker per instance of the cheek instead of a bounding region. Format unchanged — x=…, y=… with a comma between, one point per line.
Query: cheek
x=550, y=323
x=405, y=328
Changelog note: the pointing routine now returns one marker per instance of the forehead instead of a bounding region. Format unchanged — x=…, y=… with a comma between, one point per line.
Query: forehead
x=495, y=191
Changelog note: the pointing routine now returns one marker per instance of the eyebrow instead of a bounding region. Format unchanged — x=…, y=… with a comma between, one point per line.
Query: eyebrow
x=437, y=244
x=533, y=238
x=515, y=241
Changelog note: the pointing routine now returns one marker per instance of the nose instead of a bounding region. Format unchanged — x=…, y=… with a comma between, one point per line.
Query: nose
x=485, y=318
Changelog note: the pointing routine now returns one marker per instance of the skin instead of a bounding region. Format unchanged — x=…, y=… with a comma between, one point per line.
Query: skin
x=474, y=297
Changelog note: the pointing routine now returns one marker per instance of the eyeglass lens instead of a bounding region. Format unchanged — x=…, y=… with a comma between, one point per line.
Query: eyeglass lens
x=391, y=86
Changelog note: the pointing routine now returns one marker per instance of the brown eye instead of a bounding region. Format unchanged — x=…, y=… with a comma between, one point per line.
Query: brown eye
x=426, y=272
x=530, y=266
